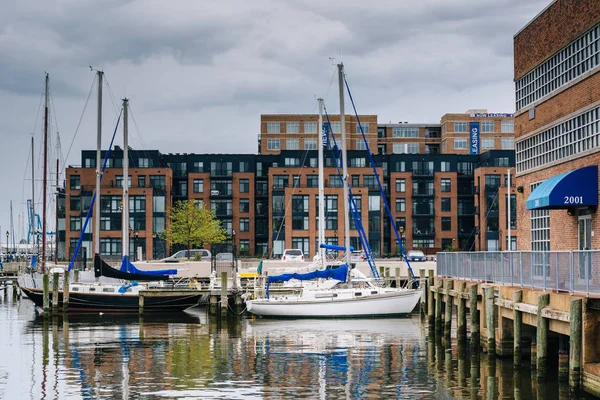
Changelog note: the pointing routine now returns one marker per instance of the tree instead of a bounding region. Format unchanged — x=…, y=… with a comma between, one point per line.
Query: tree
x=193, y=226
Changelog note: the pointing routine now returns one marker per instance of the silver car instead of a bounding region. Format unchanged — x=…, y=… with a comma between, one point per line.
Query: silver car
x=183, y=255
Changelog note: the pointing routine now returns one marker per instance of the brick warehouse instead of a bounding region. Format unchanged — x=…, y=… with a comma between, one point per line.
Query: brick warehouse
x=557, y=127
x=435, y=187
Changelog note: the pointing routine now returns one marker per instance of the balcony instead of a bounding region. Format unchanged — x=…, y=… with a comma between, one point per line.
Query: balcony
x=492, y=188
x=221, y=173
x=424, y=232
x=423, y=211
x=464, y=173
x=466, y=191
x=424, y=192
x=423, y=172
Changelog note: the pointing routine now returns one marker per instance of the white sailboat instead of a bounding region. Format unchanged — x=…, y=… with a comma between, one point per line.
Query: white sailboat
x=343, y=291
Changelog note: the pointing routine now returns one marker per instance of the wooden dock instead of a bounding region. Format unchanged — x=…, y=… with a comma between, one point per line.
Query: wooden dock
x=519, y=322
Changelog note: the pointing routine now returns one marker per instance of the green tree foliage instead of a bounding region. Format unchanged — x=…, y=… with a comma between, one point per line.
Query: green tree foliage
x=193, y=226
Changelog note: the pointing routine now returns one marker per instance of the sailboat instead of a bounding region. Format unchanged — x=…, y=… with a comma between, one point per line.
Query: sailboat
x=116, y=296
x=341, y=291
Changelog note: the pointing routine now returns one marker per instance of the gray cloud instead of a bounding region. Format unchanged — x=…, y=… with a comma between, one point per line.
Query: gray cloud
x=200, y=73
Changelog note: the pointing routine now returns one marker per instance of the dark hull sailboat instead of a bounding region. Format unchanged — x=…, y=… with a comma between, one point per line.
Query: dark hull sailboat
x=129, y=272
x=156, y=300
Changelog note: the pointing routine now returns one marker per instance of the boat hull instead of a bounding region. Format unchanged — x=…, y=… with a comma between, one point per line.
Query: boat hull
x=118, y=302
x=400, y=303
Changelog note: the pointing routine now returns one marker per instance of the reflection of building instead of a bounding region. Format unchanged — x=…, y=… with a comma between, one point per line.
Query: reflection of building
x=557, y=127
x=427, y=170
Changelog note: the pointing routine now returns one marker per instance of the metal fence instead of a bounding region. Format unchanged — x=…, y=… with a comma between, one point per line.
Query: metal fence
x=564, y=271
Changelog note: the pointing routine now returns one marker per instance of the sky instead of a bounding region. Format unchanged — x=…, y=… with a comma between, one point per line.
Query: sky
x=200, y=73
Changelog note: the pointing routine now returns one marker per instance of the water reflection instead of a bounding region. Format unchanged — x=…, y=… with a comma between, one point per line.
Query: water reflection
x=192, y=355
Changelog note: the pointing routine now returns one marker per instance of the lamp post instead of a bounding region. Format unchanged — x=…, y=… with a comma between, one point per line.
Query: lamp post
x=7, y=243
x=135, y=242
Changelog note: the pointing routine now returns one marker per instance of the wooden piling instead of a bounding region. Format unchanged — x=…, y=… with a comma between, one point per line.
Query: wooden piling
x=517, y=328
x=46, y=294
x=563, y=358
x=542, y=336
x=76, y=275
x=15, y=290
x=55, y=292
x=533, y=352
x=66, y=288
x=224, y=293
x=430, y=299
x=575, y=336
x=423, y=298
x=449, y=304
x=438, y=304
x=141, y=303
x=461, y=324
x=474, y=315
x=213, y=305
x=490, y=319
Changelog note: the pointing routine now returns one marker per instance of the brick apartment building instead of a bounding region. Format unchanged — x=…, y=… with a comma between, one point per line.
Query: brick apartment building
x=270, y=199
x=557, y=120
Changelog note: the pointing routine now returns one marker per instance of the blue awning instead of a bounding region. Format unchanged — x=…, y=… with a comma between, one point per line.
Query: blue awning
x=578, y=188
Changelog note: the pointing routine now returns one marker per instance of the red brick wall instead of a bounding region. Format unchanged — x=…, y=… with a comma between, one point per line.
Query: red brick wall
x=557, y=26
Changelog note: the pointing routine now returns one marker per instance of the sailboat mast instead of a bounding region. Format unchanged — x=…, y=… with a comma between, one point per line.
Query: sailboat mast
x=125, y=223
x=12, y=229
x=98, y=169
x=56, y=217
x=32, y=221
x=321, y=186
x=344, y=165
x=45, y=179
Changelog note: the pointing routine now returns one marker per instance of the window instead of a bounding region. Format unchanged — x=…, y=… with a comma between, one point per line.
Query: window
x=508, y=126
x=157, y=181
x=301, y=244
x=335, y=181
x=75, y=203
x=445, y=166
x=365, y=127
x=400, y=185
x=446, y=224
x=198, y=166
x=273, y=127
x=144, y=162
x=370, y=182
x=331, y=211
x=181, y=188
x=158, y=204
x=446, y=204
x=501, y=162
x=300, y=222
x=141, y=181
x=272, y=144
x=400, y=166
x=221, y=208
x=310, y=127
x=564, y=140
x=119, y=181
x=312, y=162
x=199, y=203
x=312, y=181
x=492, y=182
x=540, y=228
x=401, y=223
x=360, y=144
x=244, y=185
x=292, y=162
x=574, y=60
x=158, y=224
x=110, y=246
x=198, y=185
x=355, y=180
x=358, y=162
x=244, y=224
x=75, y=181
x=105, y=223
x=405, y=132
x=446, y=185
x=280, y=181
x=460, y=143
x=224, y=187
x=310, y=144
x=460, y=127
x=292, y=144
x=75, y=223
x=487, y=143
x=336, y=127
x=487, y=127
x=405, y=148
x=423, y=243
x=292, y=127
x=508, y=143
x=137, y=204
x=244, y=166
x=244, y=205
x=89, y=163
x=400, y=205
x=374, y=203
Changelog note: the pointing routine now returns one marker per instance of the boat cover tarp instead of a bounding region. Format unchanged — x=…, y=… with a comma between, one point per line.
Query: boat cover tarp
x=338, y=273
x=334, y=247
x=127, y=266
x=101, y=268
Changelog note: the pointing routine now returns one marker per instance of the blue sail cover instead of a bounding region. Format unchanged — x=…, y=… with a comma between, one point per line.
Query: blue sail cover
x=338, y=273
x=127, y=266
x=334, y=247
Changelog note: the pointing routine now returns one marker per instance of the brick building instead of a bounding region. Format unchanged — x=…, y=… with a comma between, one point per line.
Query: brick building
x=557, y=121
x=270, y=199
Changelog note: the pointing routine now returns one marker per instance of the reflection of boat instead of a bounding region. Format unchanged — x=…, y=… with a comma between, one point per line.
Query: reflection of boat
x=347, y=293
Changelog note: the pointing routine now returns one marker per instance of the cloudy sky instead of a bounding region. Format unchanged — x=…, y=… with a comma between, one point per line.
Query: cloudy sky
x=199, y=73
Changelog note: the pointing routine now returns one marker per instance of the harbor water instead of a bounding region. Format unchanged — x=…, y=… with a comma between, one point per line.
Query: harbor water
x=191, y=356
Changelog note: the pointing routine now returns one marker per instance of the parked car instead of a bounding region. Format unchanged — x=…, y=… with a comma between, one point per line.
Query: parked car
x=290, y=255
x=183, y=255
x=358, y=256
x=415, y=255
